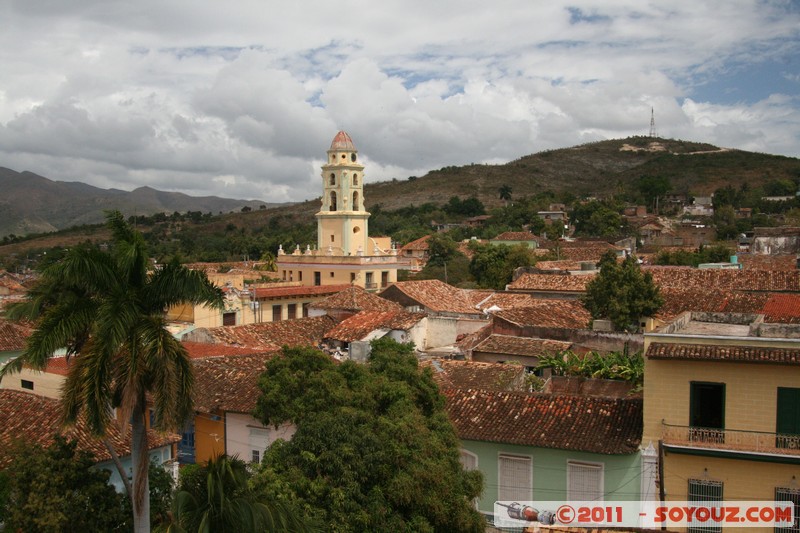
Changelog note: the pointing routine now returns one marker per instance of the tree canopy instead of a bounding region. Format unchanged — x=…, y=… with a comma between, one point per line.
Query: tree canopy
x=107, y=308
x=622, y=293
x=374, y=449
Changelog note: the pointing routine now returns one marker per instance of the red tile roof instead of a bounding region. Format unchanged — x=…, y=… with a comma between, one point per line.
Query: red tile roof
x=420, y=244
x=360, y=325
x=228, y=383
x=768, y=262
x=739, y=280
x=588, y=424
x=780, y=306
x=432, y=294
x=551, y=282
x=284, y=292
x=450, y=374
x=506, y=300
x=568, y=314
x=271, y=335
x=529, y=346
x=199, y=350
x=565, y=264
x=13, y=336
x=356, y=299
x=737, y=354
x=517, y=236
x=34, y=419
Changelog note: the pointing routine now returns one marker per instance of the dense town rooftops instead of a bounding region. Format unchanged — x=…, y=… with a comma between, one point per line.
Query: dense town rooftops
x=432, y=294
x=568, y=314
x=267, y=335
x=360, y=325
x=228, y=383
x=530, y=346
x=579, y=423
x=32, y=419
x=550, y=283
x=355, y=298
x=13, y=336
x=287, y=292
x=472, y=374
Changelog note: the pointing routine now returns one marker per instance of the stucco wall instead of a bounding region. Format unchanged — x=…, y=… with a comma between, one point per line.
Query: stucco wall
x=620, y=472
x=238, y=440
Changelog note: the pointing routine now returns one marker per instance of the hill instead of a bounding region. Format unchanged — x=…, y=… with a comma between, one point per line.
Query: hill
x=596, y=169
x=34, y=204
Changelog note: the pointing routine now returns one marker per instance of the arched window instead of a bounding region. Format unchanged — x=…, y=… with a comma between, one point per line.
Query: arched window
x=355, y=201
x=333, y=179
x=355, y=179
x=333, y=202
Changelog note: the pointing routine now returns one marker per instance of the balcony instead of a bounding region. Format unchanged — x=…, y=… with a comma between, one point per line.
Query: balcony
x=731, y=440
x=370, y=285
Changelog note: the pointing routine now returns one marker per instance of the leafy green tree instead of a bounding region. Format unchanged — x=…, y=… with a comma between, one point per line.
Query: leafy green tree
x=57, y=489
x=598, y=219
x=725, y=221
x=441, y=249
x=216, y=496
x=622, y=293
x=466, y=208
x=107, y=308
x=374, y=449
x=493, y=265
x=652, y=188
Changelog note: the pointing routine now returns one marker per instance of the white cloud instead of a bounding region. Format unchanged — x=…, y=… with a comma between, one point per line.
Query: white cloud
x=242, y=99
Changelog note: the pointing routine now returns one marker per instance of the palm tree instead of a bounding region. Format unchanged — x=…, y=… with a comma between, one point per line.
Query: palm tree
x=216, y=497
x=505, y=193
x=107, y=308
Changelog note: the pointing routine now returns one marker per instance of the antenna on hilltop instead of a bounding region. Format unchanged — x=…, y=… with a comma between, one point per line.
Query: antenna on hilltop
x=652, y=123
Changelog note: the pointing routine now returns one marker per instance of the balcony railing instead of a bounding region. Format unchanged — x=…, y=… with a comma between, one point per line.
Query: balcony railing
x=370, y=285
x=731, y=439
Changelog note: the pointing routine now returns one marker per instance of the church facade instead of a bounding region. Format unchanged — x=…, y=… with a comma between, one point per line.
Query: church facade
x=345, y=253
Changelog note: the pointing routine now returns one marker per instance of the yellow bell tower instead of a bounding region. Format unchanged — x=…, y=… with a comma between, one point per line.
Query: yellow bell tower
x=342, y=221
x=345, y=253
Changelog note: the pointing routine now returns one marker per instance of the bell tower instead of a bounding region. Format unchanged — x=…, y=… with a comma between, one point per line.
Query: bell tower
x=342, y=220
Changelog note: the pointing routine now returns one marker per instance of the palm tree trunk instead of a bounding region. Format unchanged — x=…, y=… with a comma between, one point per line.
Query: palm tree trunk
x=140, y=457
x=123, y=475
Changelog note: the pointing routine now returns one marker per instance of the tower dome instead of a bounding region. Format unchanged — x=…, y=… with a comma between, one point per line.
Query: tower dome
x=342, y=141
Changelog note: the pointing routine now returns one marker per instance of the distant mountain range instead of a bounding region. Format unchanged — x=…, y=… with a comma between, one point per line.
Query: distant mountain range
x=30, y=203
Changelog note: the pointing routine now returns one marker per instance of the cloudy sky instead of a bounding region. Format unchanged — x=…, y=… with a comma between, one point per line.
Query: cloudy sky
x=241, y=98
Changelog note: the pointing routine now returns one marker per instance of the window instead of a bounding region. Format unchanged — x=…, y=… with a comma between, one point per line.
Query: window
x=783, y=494
x=370, y=283
x=333, y=179
x=317, y=279
x=707, y=412
x=259, y=438
x=787, y=425
x=515, y=479
x=332, y=274
x=704, y=491
x=384, y=279
x=333, y=201
x=299, y=275
x=468, y=460
x=276, y=313
x=305, y=309
x=228, y=319
x=584, y=481
x=292, y=311
x=355, y=201
x=26, y=384
x=355, y=180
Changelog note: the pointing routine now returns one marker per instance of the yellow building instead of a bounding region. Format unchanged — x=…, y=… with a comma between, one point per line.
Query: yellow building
x=722, y=400
x=345, y=253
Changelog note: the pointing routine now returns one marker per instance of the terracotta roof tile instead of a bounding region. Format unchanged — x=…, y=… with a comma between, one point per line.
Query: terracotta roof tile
x=13, y=335
x=507, y=344
x=450, y=374
x=768, y=262
x=517, y=236
x=782, y=306
x=580, y=423
x=566, y=264
x=506, y=300
x=741, y=280
x=271, y=335
x=228, y=383
x=283, y=292
x=738, y=354
x=432, y=294
x=199, y=350
x=568, y=314
x=360, y=325
x=420, y=244
x=551, y=282
x=356, y=299
x=34, y=419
